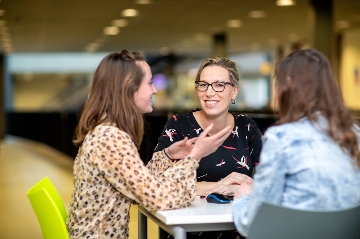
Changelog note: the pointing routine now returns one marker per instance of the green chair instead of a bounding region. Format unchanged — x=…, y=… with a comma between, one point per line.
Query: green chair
x=49, y=209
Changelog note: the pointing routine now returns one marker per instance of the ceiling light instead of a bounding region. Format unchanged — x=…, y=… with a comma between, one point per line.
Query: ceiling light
x=343, y=24
x=120, y=22
x=142, y=1
x=130, y=13
x=233, y=23
x=111, y=31
x=285, y=2
x=257, y=14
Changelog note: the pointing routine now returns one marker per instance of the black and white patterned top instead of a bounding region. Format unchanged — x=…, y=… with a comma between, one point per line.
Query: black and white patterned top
x=239, y=153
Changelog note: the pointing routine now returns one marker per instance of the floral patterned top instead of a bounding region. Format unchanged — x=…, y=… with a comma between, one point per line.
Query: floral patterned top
x=109, y=175
x=300, y=167
x=239, y=153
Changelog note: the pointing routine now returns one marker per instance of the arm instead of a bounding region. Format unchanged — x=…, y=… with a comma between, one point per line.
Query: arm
x=268, y=184
x=124, y=170
x=118, y=160
x=170, y=155
x=226, y=186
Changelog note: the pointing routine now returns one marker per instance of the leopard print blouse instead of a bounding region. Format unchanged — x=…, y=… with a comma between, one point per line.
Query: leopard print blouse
x=109, y=175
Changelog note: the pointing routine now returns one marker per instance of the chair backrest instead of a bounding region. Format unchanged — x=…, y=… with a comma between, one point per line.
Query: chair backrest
x=49, y=209
x=277, y=222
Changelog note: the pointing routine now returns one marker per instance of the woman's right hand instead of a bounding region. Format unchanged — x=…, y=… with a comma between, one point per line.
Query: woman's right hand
x=206, y=145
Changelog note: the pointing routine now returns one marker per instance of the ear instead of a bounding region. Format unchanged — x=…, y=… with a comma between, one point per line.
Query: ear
x=235, y=91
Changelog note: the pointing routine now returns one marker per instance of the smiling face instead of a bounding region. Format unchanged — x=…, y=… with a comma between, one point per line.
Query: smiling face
x=143, y=96
x=216, y=103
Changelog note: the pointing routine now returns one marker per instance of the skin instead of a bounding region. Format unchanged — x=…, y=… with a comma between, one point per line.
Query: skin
x=143, y=96
x=199, y=147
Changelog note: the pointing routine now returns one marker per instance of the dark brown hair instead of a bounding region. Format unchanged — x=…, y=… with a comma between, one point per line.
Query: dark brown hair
x=111, y=98
x=306, y=84
x=223, y=62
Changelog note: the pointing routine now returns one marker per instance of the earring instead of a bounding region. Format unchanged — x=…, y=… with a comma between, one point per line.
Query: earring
x=233, y=101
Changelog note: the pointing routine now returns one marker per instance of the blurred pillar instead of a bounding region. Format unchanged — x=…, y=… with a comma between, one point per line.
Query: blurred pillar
x=323, y=26
x=219, y=47
x=2, y=98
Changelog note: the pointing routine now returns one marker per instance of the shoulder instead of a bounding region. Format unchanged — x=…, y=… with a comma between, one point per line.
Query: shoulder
x=299, y=130
x=244, y=119
x=107, y=132
x=180, y=118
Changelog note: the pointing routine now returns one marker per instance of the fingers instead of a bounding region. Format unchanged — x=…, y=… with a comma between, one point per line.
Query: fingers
x=222, y=135
x=192, y=140
x=206, y=131
x=219, y=188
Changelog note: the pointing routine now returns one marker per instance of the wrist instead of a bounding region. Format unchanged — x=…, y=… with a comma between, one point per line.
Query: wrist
x=167, y=154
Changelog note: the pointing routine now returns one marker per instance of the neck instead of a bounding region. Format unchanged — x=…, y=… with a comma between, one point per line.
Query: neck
x=219, y=122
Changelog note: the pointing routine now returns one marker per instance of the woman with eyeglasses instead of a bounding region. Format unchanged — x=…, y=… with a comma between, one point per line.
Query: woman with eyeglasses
x=217, y=85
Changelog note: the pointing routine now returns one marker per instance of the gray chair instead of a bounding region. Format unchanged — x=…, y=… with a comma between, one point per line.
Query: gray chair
x=277, y=222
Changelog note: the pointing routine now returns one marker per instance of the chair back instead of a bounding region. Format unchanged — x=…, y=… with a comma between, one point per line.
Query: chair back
x=49, y=209
x=277, y=222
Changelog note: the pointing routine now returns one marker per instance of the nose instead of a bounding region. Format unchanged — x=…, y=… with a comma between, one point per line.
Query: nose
x=210, y=90
x=154, y=90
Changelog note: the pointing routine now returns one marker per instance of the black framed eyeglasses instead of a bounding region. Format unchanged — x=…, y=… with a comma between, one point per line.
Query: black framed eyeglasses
x=217, y=86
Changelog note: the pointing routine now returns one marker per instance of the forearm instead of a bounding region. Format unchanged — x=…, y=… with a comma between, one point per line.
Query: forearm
x=159, y=163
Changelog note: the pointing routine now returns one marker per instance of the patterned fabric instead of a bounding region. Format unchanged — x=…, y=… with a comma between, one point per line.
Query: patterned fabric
x=300, y=167
x=109, y=174
x=239, y=153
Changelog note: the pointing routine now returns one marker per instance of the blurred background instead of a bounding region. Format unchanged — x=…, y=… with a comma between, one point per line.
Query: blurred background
x=50, y=49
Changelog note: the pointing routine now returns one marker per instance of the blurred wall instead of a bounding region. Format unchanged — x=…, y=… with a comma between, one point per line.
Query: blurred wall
x=350, y=68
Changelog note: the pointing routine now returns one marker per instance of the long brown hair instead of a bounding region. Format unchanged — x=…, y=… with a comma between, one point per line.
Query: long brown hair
x=306, y=84
x=111, y=98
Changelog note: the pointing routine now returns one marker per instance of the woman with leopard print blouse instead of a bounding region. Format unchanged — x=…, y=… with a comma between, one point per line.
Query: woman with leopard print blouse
x=108, y=172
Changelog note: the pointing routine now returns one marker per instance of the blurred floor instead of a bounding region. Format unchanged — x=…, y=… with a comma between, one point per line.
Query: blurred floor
x=22, y=164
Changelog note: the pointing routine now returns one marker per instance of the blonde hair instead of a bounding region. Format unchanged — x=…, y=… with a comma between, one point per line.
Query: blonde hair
x=223, y=62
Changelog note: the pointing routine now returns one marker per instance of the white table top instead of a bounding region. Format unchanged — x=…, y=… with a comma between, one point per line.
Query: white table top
x=199, y=211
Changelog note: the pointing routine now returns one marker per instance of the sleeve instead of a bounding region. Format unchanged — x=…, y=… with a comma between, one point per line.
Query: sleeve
x=254, y=141
x=171, y=133
x=159, y=163
x=268, y=186
x=119, y=162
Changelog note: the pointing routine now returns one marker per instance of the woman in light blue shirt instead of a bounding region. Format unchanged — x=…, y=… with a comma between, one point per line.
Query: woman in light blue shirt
x=310, y=159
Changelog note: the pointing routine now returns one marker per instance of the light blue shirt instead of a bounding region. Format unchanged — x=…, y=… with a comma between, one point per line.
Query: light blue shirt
x=300, y=167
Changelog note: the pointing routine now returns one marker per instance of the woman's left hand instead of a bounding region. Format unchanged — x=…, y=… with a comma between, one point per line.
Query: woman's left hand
x=180, y=149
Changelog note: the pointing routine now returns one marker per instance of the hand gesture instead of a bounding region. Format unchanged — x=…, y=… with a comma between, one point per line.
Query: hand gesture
x=206, y=145
x=180, y=149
